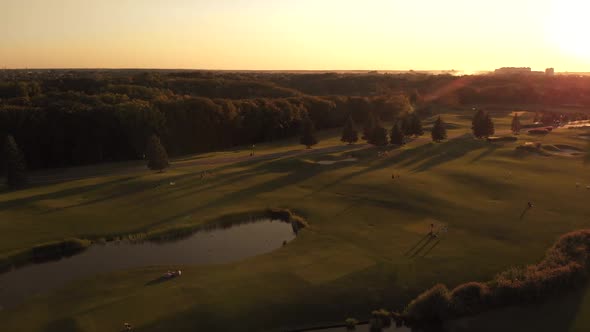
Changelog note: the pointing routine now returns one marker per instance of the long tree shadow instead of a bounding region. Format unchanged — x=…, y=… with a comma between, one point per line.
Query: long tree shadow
x=489, y=150
x=283, y=162
x=159, y=280
x=424, y=157
x=448, y=151
x=302, y=172
x=417, y=244
x=430, y=248
x=523, y=214
x=60, y=194
x=417, y=251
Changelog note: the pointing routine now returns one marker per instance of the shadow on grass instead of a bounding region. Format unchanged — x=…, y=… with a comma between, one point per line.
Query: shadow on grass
x=63, y=325
x=422, y=158
x=417, y=244
x=60, y=194
x=302, y=171
x=427, y=251
x=423, y=246
x=285, y=162
x=159, y=280
x=523, y=214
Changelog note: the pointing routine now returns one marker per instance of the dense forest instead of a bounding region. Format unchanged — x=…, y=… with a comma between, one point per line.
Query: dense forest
x=64, y=118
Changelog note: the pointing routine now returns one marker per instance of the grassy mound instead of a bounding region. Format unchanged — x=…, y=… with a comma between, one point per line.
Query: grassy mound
x=565, y=266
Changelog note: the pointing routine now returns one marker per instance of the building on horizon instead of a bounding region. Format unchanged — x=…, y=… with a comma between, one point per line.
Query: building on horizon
x=513, y=71
x=523, y=71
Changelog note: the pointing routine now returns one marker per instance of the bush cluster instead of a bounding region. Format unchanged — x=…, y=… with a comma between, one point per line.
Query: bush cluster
x=565, y=266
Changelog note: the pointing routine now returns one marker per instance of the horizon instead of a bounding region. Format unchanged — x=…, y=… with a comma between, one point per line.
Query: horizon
x=264, y=35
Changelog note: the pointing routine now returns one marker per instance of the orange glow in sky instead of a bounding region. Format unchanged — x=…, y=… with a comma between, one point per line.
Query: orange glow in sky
x=296, y=34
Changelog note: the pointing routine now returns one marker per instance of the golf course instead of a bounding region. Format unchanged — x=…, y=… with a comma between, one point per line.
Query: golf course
x=366, y=209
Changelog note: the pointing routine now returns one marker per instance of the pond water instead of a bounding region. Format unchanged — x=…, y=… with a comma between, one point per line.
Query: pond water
x=211, y=246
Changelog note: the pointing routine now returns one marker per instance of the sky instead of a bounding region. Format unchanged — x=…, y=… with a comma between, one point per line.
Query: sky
x=468, y=35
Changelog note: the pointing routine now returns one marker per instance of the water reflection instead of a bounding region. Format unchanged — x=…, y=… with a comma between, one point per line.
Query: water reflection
x=212, y=245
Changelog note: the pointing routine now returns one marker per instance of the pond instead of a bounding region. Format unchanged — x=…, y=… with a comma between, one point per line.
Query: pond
x=211, y=246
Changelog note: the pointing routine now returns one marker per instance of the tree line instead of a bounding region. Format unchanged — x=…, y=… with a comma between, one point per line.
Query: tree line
x=102, y=122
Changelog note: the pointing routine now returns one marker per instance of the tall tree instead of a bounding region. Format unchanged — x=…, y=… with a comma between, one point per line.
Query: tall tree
x=415, y=97
x=416, y=125
x=379, y=136
x=477, y=124
x=349, y=133
x=439, y=130
x=515, y=124
x=14, y=164
x=157, y=157
x=308, y=133
x=488, y=126
x=370, y=124
x=406, y=125
x=396, y=135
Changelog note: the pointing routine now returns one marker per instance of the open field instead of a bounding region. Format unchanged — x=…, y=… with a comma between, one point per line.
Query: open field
x=352, y=259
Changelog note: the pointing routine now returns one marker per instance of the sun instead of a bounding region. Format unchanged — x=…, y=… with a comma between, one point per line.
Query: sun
x=569, y=27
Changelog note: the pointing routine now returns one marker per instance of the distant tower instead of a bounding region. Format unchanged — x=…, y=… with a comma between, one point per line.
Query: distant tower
x=550, y=72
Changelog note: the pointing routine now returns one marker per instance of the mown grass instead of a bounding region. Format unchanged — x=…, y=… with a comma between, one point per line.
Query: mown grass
x=352, y=258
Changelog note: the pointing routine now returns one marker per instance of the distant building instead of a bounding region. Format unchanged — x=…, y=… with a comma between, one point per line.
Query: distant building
x=522, y=71
x=513, y=71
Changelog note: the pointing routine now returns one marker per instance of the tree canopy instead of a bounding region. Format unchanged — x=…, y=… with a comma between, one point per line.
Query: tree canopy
x=14, y=164
x=157, y=157
x=397, y=135
x=439, y=130
x=378, y=136
x=482, y=124
x=308, y=137
x=349, y=133
x=515, y=126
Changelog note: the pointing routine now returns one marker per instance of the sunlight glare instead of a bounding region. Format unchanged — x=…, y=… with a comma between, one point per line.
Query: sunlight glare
x=569, y=26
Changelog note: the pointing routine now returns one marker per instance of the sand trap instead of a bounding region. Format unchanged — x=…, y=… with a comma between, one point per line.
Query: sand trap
x=577, y=124
x=564, y=147
x=332, y=162
x=563, y=150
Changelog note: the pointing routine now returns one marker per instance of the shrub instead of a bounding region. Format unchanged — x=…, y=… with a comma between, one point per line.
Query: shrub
x=280, y=214
x=56, y=250
x=469, y=298
x=431, y=306
x=351, y=323
x=383, y=315
x=565, y=266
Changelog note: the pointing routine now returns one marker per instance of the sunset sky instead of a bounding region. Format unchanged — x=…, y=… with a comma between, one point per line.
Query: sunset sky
x=297, y=34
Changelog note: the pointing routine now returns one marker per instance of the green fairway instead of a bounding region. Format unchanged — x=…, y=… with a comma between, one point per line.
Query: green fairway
x=355, y=256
